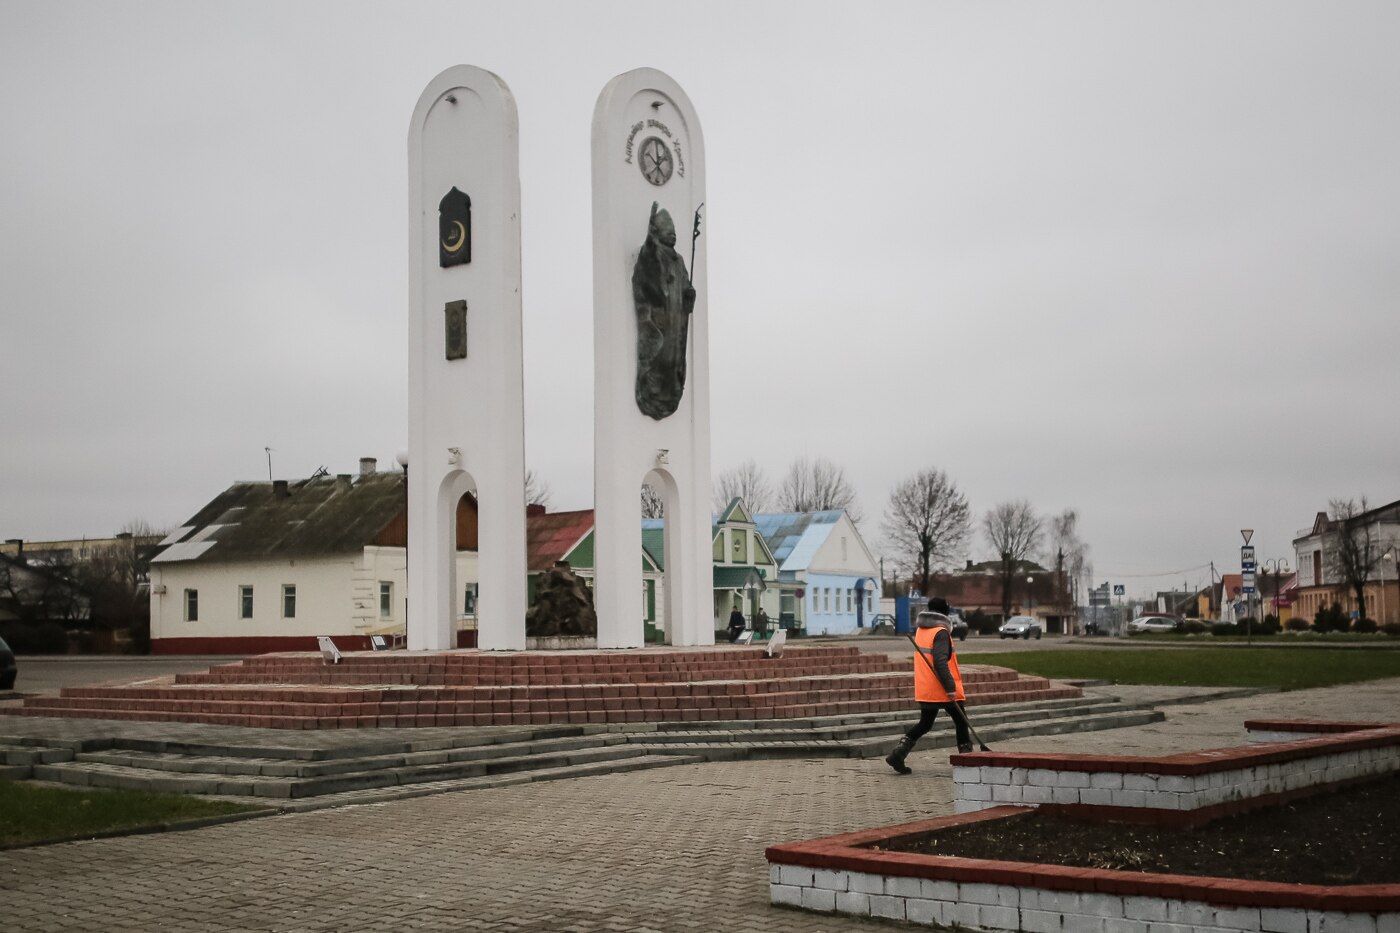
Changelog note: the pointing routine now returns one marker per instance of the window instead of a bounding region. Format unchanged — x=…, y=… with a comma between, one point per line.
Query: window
x=741, y=547
x=849, y=597
x=245, y=602
x=289, y=601
x=469, y=602
x=386, y=599
x=869, y=603
x=826, y=598
x=191, y=605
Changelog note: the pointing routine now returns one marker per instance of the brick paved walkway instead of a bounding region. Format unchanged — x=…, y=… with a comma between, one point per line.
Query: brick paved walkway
x=678, y=849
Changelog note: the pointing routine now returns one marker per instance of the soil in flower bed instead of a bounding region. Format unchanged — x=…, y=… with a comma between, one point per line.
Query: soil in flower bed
x=1345, y=837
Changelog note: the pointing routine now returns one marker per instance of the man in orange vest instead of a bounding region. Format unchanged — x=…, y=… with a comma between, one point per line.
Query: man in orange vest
x=937, y=686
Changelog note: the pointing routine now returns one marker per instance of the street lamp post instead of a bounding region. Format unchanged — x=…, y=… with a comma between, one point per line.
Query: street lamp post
x=1280, y=567
x=402, y=458
x=1030, y=596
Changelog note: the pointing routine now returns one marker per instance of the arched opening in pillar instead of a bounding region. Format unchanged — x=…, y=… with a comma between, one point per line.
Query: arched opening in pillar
x=459, y=555
x=660, y=551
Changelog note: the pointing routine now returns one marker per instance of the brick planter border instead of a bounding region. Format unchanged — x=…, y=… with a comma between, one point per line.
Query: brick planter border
x=845, y=874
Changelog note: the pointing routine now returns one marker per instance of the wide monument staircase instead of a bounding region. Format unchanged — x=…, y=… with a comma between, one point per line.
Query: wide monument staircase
x=395, y=724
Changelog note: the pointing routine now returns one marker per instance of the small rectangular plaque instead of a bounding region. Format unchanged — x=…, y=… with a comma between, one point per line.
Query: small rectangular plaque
x=456, y=312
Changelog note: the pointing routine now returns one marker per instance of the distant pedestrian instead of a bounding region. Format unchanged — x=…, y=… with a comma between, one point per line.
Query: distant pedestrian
x=938, y=688
x=760, y=621
x=736, y=625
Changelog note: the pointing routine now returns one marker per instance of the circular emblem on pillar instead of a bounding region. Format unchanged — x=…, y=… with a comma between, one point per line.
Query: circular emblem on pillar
x=656, y=162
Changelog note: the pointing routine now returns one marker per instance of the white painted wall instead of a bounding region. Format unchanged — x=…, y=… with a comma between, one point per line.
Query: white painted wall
x=324, y=605
x=626, y=441
x=335, y=595
x=464, y=133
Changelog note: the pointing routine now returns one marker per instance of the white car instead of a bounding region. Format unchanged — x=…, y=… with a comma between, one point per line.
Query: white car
x=1144, y=624
x=1020, y=627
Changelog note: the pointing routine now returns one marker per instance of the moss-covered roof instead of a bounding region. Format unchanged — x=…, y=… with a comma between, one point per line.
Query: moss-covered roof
x=319, y=516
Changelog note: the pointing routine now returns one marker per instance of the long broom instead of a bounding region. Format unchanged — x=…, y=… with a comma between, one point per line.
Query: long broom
x=958, y=711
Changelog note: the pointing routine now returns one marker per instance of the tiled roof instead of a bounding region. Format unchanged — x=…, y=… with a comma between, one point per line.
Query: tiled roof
x=552, y=535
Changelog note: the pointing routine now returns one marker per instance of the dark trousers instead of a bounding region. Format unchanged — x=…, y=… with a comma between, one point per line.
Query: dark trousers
x=928, y=712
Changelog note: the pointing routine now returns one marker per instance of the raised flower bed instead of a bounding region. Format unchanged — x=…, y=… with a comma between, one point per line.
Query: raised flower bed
x=938, y=871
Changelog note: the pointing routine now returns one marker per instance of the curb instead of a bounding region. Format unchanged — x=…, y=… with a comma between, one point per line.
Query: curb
x=148, y=829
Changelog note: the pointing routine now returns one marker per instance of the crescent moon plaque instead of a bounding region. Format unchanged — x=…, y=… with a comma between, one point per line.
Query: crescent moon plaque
x=454, y=229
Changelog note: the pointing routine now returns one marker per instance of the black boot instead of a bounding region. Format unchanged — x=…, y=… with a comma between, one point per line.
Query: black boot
x=964, y=747
x=895, y=759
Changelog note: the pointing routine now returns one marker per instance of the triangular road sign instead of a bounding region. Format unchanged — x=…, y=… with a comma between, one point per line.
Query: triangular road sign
x=1247, y=533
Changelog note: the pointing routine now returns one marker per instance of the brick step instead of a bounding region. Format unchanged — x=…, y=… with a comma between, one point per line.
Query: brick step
x=291, y=718
x=320, y=694
x=102, y=774
x=382, y=703
x=630, y=659
x=886, y=724
x=32, y=754
x=393, y=674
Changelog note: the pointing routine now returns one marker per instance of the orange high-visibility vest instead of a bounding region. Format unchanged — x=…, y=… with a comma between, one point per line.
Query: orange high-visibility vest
x=927, y=689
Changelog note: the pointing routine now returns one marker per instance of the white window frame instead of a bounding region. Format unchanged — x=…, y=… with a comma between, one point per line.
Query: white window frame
x=386, y=599
x=245, y=599
x=289, y=589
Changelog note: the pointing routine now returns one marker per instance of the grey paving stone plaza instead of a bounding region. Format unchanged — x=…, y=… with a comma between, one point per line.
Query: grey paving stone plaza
x=676, y=849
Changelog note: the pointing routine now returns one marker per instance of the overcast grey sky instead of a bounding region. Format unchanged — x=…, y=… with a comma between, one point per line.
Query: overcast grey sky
x=1135, y=258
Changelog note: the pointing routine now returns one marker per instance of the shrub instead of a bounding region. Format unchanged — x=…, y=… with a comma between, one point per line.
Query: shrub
x=43, y=638
x=1331, y=618
x=1222, y=629
x=1392, y=629
x=1194, y=627
x=1269, y=626
x=1366, y=626
x=1299, y=624
x=980, y=622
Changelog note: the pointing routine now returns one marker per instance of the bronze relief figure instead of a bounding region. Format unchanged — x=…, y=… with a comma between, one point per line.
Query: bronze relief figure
x=664, y=299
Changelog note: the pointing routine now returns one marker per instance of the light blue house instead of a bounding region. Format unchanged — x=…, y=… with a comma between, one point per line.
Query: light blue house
x=838, y=580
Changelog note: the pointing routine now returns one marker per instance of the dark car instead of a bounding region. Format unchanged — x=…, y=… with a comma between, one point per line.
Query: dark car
x=8, y=670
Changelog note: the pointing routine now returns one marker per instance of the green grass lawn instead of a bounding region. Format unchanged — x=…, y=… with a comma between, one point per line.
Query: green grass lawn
x=1294, y=669
x=31, y=813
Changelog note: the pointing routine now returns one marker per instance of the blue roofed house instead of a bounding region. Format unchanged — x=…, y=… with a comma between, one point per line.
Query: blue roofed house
x=829, y=581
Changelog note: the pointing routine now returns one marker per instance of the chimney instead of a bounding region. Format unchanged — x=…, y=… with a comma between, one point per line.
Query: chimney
x=343, y=478
x=279, y=489
x=19, y=545
x=969, y=564
x=367, y=466
x=534, y=508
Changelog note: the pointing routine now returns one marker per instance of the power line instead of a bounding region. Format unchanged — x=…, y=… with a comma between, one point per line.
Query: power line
x=1164, y=573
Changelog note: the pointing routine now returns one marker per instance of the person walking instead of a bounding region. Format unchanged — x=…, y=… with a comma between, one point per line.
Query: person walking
x=939, y=687
x=736, y=625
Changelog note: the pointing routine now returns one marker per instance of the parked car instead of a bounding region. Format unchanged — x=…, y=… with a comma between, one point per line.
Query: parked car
x=1156, y=623
x=1020, y=627
x=8, y=668
x=959, y=625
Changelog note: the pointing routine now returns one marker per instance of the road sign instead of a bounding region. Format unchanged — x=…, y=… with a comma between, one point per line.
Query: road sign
x=1119, y=589
x=1247, y=583
x=1247, y=554
x=1247, y=533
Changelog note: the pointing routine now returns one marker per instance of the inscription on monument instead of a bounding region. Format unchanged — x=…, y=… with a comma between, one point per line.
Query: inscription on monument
x=664, y=300
x=454, y=229
x=660, y=144
x=456, y=312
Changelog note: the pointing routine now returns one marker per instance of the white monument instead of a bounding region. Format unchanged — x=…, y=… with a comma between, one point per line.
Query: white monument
x=466, y=419
x=650, y=355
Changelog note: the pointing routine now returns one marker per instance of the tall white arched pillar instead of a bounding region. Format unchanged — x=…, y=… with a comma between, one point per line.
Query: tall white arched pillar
x=466, y=415
x=633, y=108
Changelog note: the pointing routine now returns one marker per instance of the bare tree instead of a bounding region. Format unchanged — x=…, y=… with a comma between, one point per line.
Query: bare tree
x=1067, y=552
x=653, y=506
x=1013, y=530
x=817, y=485
x=537, y=491
x=748, y=482
x=926, y=523
x=1354, y=551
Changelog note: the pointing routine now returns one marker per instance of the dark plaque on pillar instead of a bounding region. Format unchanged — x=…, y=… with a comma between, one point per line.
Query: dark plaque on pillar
x=664, y=300
x=456, y=330
x=454, y=229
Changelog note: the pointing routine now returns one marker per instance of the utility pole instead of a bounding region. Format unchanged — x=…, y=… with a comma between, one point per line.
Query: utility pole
x=268, y=451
